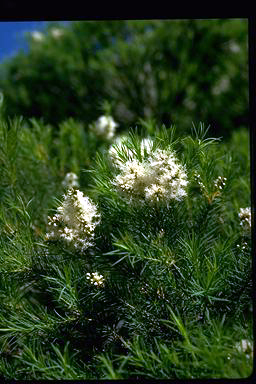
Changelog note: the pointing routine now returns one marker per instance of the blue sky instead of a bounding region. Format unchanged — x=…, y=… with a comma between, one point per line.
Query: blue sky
x=12, y=35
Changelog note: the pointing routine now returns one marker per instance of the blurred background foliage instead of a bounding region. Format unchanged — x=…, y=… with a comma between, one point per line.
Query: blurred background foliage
x=172, y=71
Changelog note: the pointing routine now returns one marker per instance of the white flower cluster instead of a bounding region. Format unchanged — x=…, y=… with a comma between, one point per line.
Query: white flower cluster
x=37, y=36
x=199, y=181
x=133, y=179
x=105, y=127
x=244, y=245
x=233, y=46
x=245, y=216
x=169, y=177
x=158, y=176
x=70, y=181
x=57, y=32
x=220, y=182
x=95, y=278
x=75, y=220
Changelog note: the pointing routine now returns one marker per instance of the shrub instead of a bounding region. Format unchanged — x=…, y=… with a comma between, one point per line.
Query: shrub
x=173, y=71
x=164, y=288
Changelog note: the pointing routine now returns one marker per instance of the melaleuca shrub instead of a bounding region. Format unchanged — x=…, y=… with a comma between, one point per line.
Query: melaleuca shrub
x=165, y=236
x=157, y=245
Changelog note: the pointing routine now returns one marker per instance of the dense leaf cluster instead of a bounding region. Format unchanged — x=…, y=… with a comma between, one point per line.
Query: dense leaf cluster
x=164, y=290
x=173, y=71
x=177, y=285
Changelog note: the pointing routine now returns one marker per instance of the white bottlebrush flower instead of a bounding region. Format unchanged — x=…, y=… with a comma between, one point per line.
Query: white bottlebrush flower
x=157, y=177
x=245, y=346
x=105, y=127
x=95, y=278
x=56, y=32
x=70, y=181
x=161, y=160
x=75, y=220
x=245, y=216
x=37, y=36
x=155, y=192
x=78, y=210
x=68, y=234
x=133, y=178
x=168, y=174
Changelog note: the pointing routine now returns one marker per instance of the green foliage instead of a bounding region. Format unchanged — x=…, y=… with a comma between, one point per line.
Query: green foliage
x=205, y=352
x=168, y=268
x=144, y=69
x=165, y=289
x=70, y=145
x=52, y=365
